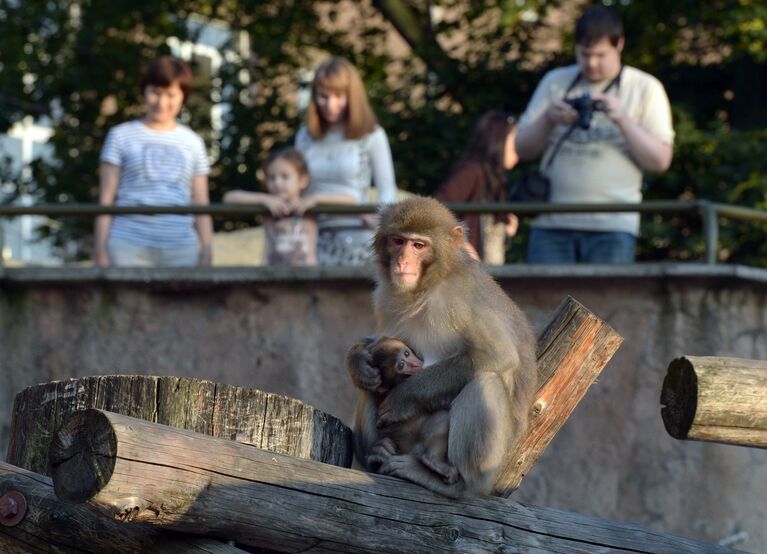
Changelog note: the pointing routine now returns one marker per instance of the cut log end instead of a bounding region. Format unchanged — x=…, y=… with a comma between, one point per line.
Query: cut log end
x=679, y=398
x=82, y=454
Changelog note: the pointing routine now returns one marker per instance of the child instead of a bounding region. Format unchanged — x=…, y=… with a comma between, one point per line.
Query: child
x=290, y=239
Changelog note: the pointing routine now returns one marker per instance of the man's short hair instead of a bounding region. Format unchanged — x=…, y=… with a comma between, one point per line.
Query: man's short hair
x=596, y=23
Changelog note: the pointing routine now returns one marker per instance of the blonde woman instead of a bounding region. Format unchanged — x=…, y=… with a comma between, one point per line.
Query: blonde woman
x=346, y=150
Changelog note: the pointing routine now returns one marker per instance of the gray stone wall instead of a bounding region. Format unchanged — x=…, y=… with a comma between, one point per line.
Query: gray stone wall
x=287, y=331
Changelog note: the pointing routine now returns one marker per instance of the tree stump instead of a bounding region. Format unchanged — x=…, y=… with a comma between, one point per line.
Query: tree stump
x=572, y=351
x=51, y=525
x=268, y=421
x=172, y=479
x=716, y=399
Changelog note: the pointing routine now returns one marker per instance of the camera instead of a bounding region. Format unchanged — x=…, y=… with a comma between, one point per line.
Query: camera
x=585, y=106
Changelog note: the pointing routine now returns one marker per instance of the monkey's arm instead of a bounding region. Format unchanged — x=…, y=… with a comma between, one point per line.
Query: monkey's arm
x=358, y=360
x=365, y=430
x=430, y=390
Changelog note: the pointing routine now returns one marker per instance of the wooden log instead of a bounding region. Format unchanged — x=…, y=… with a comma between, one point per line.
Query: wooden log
x=716, y=399
x=144, y=472
x=51, y=525
x=269, y=421
x=573, y=349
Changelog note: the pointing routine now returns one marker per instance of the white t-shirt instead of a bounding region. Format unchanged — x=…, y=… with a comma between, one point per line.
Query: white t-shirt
x=594, y=165
x=156, y=169
x=338, y=165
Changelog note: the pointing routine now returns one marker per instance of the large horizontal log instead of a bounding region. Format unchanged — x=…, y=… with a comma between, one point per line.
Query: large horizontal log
x=716, y=399
x=50, y=525
x=144, y=472
x=573, y=349
x=267, y=420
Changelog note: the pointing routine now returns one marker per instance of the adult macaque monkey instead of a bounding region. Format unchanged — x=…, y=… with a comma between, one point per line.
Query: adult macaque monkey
x=478, y=350
x=424, y=437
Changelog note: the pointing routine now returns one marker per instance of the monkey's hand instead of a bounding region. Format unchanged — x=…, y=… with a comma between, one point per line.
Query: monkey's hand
x=358, y=364
x=381, y=452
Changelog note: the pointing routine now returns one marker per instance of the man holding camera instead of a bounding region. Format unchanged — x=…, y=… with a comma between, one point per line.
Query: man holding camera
x=599, y=124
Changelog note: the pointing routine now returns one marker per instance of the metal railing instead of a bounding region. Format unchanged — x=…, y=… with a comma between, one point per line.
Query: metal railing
x=709, y=212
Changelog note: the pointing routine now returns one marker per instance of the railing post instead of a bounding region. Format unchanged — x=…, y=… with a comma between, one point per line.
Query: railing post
x=710, y=219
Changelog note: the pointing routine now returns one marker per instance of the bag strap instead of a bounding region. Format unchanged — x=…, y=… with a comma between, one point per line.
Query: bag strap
x=616, y=81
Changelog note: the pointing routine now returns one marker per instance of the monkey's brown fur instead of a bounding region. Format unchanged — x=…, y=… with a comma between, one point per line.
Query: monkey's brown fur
x=424, y=437
x=477, y=345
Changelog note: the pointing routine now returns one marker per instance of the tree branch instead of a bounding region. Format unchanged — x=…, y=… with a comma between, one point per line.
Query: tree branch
x=415, y=28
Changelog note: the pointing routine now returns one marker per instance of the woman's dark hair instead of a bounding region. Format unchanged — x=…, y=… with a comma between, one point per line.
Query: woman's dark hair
x=166, y=70
x=487, y=146
x=596, y=23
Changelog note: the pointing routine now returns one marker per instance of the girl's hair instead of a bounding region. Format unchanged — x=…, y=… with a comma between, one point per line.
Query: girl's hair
x=339, y=76
x=166, y=70
x=290, y=155
x=487, y=146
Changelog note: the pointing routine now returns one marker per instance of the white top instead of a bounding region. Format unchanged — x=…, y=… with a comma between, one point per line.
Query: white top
x=594, y=165
x=156, y=169
x=347, y=166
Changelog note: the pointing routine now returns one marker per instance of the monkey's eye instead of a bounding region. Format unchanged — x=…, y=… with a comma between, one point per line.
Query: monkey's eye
x=419, y=245
x=397, y=241
x=406, y=353
x=400, y=365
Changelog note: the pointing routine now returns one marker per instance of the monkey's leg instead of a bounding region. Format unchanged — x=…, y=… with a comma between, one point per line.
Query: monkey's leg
x=448, y=472
x=407, y=467
x=480, y=427
x=433, y=450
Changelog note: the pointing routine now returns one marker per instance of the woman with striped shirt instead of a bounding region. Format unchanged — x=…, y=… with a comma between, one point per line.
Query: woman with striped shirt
x=155, y=161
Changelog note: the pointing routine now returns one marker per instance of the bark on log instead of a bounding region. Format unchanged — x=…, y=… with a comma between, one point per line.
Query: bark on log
x=269, y=421
x=51, y=525
x=716, y=399
x=573, y=350
x=177, y=479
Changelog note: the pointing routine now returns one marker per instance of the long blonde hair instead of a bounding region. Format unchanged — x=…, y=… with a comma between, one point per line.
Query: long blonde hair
x=339, y=76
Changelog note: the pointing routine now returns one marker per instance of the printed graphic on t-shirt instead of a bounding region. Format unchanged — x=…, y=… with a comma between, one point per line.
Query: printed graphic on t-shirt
x=163, y=162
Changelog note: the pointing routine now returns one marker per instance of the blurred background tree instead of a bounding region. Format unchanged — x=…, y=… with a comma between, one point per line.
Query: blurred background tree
x=430, y=67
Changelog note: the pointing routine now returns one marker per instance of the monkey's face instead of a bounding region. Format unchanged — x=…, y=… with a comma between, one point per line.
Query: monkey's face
x=409, y=255
x=407, y=362
x=396, y=362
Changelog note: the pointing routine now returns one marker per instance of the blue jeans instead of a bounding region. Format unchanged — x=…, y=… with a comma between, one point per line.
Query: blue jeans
x=562, y=246
x=124, y=253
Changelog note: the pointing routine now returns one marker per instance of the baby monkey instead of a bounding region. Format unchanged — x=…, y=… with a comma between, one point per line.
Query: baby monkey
x=423, y=437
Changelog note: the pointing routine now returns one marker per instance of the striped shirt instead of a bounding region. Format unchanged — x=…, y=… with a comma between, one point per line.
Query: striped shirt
x=156, y=169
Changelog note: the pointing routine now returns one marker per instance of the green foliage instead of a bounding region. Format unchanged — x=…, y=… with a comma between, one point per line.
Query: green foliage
x=711, y=58
x=82, y=63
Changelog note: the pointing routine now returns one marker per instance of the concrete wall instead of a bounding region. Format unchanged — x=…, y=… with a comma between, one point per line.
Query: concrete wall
x=287, y=331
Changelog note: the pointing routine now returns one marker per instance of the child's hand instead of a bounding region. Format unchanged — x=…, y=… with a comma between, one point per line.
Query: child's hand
x=303, y=204
x=512, y=225
x=277, y=206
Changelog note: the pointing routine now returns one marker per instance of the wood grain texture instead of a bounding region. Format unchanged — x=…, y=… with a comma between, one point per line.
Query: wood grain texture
x=716, y=399
x=180, y=480
x=51, y=525
x=269, y=421
x=573, y=349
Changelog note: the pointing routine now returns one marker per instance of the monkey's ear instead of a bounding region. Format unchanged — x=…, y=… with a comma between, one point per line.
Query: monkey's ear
x=456, y=235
